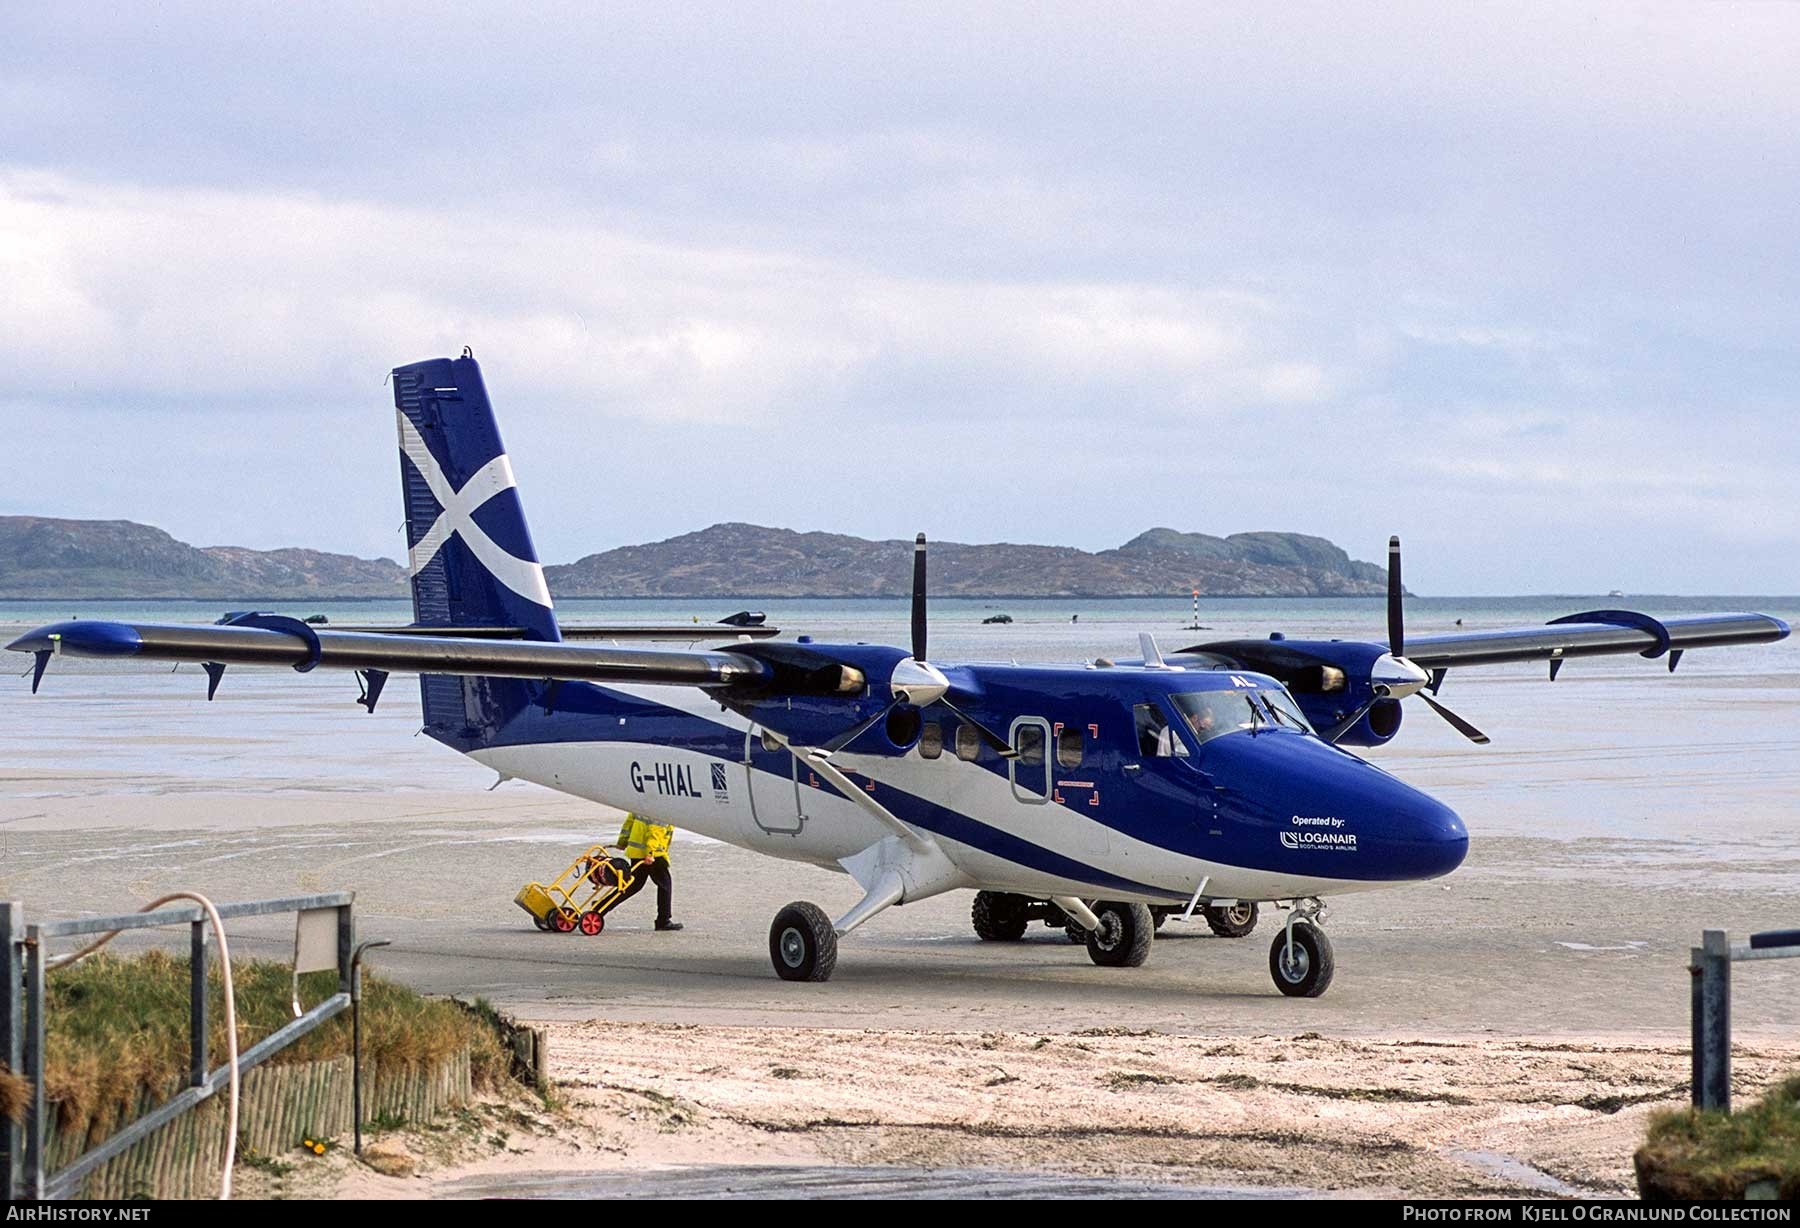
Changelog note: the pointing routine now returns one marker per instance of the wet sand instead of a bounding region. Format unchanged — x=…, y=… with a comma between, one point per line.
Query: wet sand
x=1530, y=1010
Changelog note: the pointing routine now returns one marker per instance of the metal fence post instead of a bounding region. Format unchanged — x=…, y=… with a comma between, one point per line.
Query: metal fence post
x=197, y=1064
x=33, y=1180
x=1696, y=1027
x=346, y=946
x=12, y=1039
x=1714, y=1057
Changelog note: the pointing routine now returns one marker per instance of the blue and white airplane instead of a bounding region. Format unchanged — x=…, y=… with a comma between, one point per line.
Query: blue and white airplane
x=1212, y=777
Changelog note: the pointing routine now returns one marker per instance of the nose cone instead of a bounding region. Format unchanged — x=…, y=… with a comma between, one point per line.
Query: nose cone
x=1428, y=837
x=1319, y=811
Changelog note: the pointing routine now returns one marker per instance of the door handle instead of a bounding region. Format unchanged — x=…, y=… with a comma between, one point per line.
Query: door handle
x=1133, y=767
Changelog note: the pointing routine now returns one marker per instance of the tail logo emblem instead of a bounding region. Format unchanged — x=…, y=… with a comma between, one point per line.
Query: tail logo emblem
x=522, y=576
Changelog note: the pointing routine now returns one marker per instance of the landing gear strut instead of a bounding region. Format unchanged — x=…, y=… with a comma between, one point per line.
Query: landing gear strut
x=1300, y=958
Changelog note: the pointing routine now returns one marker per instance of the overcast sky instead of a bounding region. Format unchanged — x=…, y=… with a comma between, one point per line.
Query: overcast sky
x=1519, y=283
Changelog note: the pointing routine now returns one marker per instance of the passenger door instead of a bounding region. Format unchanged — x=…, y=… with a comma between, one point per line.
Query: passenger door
x=1029, y=768
x=776, y=800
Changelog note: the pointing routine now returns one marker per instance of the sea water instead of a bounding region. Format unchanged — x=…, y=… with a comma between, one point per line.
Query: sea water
x=1701, y=765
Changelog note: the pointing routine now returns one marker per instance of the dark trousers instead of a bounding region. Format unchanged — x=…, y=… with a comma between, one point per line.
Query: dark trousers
x=656, y=871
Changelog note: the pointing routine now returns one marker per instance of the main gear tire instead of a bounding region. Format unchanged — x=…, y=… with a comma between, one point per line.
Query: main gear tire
x=803, y=945
x=1235, y=921
x=998, y=916
x=1123, y=939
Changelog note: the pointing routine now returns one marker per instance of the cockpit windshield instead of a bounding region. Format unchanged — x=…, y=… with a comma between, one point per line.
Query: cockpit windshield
x=1210, y=714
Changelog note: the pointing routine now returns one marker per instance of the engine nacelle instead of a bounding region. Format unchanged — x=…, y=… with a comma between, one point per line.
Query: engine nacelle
x=1329, y=679
x=1377, y=726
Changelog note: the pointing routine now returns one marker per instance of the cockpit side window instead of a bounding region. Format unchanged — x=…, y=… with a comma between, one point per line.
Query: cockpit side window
x=1155, y=739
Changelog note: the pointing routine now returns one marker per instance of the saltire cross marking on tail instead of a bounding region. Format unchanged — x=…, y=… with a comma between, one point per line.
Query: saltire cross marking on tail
x=522, y=576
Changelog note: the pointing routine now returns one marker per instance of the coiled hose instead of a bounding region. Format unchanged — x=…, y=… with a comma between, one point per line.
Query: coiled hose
x=231, y=1037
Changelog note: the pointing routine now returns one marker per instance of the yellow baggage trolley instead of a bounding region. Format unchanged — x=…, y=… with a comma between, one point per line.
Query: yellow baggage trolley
x=580, y=897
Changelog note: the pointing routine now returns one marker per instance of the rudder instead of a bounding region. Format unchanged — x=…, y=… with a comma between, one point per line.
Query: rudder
x=470, y=555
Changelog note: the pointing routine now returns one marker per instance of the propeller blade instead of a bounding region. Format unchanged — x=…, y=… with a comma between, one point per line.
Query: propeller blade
x=918, y=599
x=994, y=740
x=850, y=735
x=1456, y=722
x=1396, y=633
x=1348, y=723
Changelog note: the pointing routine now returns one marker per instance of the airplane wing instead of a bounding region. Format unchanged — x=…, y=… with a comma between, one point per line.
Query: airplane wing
x=669, y=632
x=261, y=639
x=1351, y=689
x=1593, y=633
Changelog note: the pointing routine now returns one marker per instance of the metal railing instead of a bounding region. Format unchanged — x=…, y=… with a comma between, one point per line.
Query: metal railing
x=1710, y=969
x=22, y=1028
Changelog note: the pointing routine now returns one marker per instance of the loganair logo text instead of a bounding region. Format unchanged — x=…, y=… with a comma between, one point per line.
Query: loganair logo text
x=1310, y=835
x=668, y=779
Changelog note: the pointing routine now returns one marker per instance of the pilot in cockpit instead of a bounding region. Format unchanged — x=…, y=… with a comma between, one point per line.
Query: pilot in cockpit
x=1202, y=719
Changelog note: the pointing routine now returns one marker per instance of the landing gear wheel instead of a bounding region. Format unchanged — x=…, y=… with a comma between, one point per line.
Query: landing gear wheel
x=1123, y=939
x=563, y=920
x=998, y=917
x=1308, y=973
x=802, y=944
x=1234, y=922
x=592, y=922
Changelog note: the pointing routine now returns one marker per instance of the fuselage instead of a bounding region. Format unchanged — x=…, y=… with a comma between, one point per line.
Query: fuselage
x=1113, y=793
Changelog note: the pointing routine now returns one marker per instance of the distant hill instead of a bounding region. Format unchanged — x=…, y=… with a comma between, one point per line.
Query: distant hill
x=45, y=557
x=750, y=560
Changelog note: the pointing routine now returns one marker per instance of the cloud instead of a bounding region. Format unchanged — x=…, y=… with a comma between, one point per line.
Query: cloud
x=126, y=293
x=1493, y=274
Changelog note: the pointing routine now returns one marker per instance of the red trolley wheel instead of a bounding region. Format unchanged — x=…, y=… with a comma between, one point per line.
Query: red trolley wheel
x=592, y=923
x=563, y=920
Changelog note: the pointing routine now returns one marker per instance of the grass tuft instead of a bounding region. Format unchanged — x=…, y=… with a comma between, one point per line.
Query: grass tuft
x=117, y=1035
x=1691, y=1154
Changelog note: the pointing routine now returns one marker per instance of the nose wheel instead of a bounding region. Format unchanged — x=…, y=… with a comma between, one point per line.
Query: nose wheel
x=1300, y=958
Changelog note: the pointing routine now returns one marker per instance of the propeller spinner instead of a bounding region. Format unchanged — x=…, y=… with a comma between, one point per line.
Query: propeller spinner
x=916, y=681
x=1394, y=677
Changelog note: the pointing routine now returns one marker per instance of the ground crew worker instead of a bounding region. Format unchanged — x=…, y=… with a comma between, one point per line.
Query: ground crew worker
x=646, y=845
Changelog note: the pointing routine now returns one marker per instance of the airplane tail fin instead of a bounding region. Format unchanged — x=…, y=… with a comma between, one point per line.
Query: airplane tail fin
x=469, y=549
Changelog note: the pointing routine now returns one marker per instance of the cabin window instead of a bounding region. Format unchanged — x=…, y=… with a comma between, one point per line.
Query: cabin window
x=1069, y=748
x=1155, y=739
x=1029, y=768
x=931, y=740
x=968, y=743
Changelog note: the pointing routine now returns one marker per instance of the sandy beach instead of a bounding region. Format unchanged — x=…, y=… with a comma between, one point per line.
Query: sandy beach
x=1505, y=1030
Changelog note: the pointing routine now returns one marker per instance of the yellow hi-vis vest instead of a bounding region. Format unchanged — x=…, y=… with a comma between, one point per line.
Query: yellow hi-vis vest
x=643, y=839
